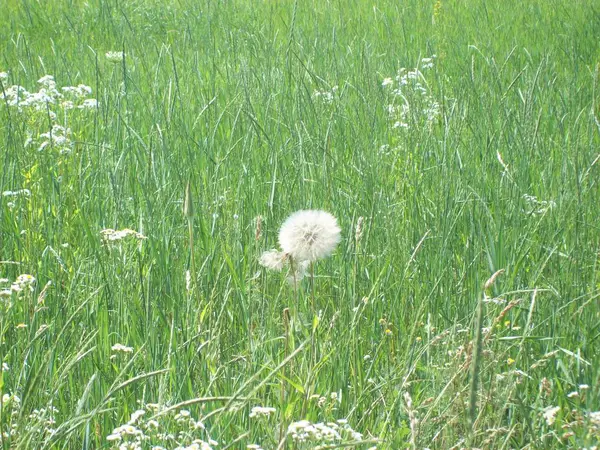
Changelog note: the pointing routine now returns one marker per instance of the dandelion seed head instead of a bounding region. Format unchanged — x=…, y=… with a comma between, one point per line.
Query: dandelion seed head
x=309, y=235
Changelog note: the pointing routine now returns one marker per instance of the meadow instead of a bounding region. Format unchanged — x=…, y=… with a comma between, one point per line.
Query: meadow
x=151, y=150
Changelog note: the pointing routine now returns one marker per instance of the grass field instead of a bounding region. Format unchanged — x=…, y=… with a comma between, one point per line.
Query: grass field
x=451, y=139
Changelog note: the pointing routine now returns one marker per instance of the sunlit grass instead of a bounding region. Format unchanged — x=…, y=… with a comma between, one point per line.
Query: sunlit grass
x=485, y=160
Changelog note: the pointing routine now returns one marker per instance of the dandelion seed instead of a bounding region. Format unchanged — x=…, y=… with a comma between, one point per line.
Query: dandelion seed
x=309, y=235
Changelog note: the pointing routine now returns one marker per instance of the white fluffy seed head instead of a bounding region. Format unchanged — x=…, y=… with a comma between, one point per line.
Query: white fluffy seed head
x=272, y=259
x=309, y=235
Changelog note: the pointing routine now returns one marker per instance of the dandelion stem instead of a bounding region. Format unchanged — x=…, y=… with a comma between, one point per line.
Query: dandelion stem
x=286, y=325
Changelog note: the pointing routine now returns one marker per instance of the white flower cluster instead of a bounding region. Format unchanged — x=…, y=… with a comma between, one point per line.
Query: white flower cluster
x=14, y=196
x=22, y=283
x=121, y=348
x=47, y=102
x=111, y=235
x=549, y=414
x=49, y=96
x=115, y=57
x=537, y=207
x=58, y=138
x=138, y=433
x=329, y=402
x=326, y=96
x=39, y=421
x=10, y=404
x=411, y=96
x=263, y=411
x=304, y=431
x=18, y=193
x=45, y=418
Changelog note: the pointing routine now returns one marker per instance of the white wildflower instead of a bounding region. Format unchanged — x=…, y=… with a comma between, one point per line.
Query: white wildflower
x=550, y=414
x=115, y=57
x=89, y=103
x=135, y=416
x=573, y=394
x=116, y=235
x=121, y=348
x=3, y=76
x=309, y=235
x=264, y=411
x=387, y=82
x=18, y=193
x=537, y=207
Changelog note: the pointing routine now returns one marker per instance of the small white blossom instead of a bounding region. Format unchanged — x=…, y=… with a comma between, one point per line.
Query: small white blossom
x=261, y=411
x=116, y=235
x=121, y=348
x=89, y=103
x=550, y=414
x=18, y=193
x=115, y=57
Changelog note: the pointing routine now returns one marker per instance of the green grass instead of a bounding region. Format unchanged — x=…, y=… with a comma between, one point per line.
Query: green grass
x=221, y=94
